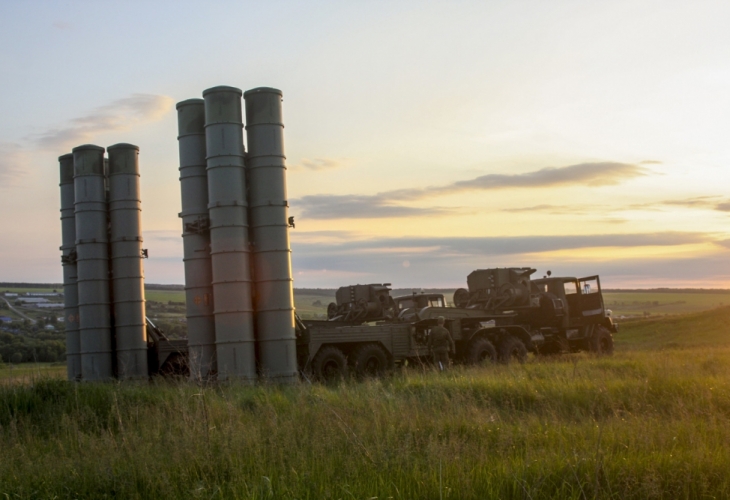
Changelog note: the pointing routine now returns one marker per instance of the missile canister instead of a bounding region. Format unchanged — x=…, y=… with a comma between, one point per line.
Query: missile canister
x=68, y=260
x=126, y=261
x=229, y=241
x=196, y=239
x=90, y=207
x=268, y=218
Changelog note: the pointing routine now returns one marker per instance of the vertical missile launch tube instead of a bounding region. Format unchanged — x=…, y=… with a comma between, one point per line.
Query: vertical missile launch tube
x=93, y=263
x=68, y=260
x=126, y=261
x=229, y=243
x=268, y=215
x=196, y=238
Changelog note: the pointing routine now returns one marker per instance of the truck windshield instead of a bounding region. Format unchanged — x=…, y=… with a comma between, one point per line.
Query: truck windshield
x=405, y=304
x=436, y=302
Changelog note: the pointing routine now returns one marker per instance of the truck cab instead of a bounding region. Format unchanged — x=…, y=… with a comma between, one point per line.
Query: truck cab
x=572, y=312
x=407, y=306
x=580, y=299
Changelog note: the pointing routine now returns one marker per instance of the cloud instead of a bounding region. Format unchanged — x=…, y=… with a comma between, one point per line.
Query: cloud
x=702, y=202
x=699, y=201
x=557, y=209
x=723, y=243
x=318, y=164
x=121, y=114
x=13, y=160
x=650, y=162
x=330, y=206
x=386, y=204
x=585, y=174
x=512, y=245
x=445, y=261
x=62, y=25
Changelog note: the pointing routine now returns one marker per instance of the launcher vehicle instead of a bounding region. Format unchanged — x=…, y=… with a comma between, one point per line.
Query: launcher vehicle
x=502, y=315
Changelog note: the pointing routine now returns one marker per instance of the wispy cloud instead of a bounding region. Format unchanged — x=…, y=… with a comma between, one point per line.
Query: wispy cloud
x=13, y=164
x=585, y=174
x=119, y=115
x=554, y=209
x=62, y=25
x=509, y=245
x=651, y=162
x=330, y=206
x=438, y=261
x=317, y=164
x=388, y=204
x=717, y=203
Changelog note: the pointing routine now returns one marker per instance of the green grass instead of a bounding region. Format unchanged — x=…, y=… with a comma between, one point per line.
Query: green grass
x=30, y=372
x=165, y=296
x=305, y=304
x=649, y=422
x=695, y=330
x=660, y=303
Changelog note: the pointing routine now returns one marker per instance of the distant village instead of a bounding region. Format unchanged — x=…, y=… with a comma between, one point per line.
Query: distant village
x=52, y=302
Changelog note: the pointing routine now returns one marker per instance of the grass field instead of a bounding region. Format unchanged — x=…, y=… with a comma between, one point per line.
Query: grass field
x=26, y=373
x=311, y=305
x=660, y=303
x=653, y=421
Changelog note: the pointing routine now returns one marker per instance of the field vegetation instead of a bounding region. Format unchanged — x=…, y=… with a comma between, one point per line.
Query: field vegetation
x=653, y=421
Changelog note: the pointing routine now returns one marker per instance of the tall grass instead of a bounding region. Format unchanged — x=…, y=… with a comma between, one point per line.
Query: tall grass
x=653, y=421
x=639, y=425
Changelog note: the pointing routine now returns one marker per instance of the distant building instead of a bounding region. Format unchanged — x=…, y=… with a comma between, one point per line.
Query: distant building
x=33, y=300
x=6, y=319
x=41, y=294
x=11, y=294
x=50, y=327
x=50, y=305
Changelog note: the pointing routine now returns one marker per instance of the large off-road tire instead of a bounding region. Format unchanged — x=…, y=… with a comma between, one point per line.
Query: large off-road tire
x=330, y=364
x=461, y=297
x=512, y=348
x=371, y=360
x=480, y=351
x=601, y=342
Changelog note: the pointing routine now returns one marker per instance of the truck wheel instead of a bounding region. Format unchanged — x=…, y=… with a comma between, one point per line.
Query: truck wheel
x=510, y=348
x=601, y=342
x=371, y=360
x=481, y=351
x=330, y=364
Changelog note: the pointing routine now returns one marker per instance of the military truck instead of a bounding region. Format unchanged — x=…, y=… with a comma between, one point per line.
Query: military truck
x=502, y=316
x=397, y=333
x=563, y=314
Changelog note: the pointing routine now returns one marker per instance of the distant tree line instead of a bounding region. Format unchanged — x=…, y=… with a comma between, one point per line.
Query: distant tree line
x=23, y=342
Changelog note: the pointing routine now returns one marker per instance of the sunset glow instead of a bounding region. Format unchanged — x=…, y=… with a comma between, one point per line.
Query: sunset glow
x=585, y=138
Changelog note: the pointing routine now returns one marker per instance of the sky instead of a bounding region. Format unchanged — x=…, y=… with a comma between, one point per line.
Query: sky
x=424, y=139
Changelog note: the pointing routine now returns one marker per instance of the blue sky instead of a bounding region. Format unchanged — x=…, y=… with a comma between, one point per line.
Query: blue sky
x=424, y=139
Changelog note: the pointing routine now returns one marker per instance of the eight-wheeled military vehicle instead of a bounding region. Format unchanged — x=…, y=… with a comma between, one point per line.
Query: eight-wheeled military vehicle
x=502, y=315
